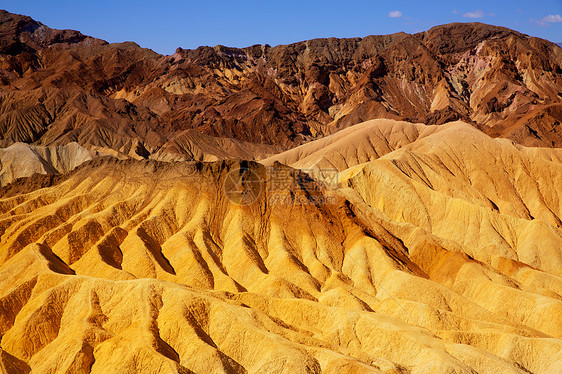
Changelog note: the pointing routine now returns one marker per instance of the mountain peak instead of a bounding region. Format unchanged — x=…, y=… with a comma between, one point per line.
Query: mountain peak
x=20, y=33
x=456, y=37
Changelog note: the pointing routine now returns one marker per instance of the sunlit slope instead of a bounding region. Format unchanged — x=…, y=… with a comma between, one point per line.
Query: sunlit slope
x=23, y=160
x=146, y=266
x=489, y=195
x=357, y=144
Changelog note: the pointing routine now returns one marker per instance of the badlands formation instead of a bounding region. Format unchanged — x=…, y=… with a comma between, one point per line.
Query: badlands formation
x=439, y=252
x=404, y=210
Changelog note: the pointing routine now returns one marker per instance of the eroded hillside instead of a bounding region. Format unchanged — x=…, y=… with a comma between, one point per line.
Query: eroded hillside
x=440, y=252
x=59, y=87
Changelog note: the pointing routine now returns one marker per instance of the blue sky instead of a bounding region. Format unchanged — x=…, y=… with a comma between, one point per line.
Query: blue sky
x=165, y=25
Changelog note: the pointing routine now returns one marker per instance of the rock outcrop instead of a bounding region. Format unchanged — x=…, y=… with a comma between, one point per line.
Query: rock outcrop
x=60, y=86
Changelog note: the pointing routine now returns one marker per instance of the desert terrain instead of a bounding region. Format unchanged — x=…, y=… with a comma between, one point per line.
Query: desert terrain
x=387, y=204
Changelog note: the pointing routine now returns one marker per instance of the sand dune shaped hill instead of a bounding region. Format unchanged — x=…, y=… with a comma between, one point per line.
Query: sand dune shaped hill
x=357, y=144
x=23, y=160
x=441, y=253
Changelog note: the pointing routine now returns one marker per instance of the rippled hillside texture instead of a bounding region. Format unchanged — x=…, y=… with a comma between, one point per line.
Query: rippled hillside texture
x=389, y=204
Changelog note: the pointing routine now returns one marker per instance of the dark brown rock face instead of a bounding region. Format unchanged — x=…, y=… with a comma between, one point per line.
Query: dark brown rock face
x=61, y=86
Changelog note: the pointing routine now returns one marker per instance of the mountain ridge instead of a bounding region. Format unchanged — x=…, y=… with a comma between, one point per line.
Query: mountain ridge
x=121, y=96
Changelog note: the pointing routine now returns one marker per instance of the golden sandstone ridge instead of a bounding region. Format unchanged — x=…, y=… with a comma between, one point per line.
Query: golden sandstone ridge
x=439, y=251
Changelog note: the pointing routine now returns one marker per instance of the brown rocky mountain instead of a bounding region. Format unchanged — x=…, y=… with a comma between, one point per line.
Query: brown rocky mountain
x=21, y=34
x=60, y=87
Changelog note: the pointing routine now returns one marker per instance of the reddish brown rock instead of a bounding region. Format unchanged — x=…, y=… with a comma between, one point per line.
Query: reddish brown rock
x=61, y=86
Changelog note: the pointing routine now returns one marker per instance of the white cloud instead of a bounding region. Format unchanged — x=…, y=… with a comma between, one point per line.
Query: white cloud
x=552, y=18
x=395, y=14
x=475, y=14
